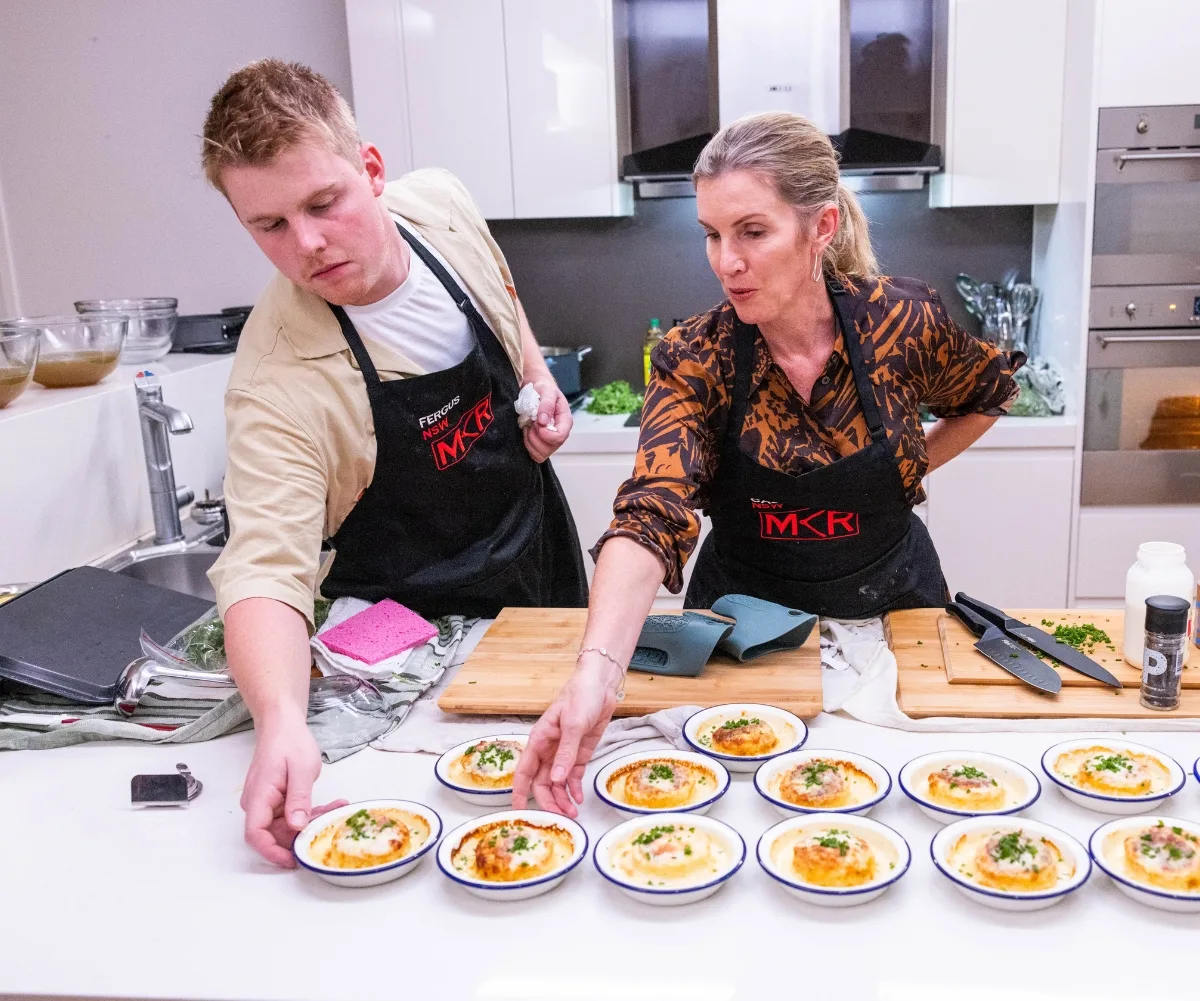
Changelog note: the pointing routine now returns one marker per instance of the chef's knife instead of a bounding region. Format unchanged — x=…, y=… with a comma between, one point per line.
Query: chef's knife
x=1003, y=652
x=1064, y=653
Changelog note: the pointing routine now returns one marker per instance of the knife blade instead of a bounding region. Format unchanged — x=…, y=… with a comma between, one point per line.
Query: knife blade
x=1041, y=640
x=1005, y=653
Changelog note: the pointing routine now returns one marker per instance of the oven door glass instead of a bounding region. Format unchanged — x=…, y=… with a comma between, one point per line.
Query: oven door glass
x=1147, y=233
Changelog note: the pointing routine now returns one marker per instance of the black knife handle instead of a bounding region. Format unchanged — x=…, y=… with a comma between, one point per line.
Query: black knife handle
x=976, y=623
x=994, y=615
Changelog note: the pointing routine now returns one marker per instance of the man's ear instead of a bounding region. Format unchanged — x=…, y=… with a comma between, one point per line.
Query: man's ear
x=372, y=161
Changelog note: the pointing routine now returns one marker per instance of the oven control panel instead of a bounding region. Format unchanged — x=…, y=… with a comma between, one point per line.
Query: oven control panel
x=1126, y=307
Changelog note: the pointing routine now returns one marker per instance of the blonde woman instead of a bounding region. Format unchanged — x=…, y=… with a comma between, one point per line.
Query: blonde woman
x=789, y=414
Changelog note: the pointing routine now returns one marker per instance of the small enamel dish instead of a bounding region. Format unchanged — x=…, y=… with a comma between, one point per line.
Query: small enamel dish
x=872, y=831
x=1102, y=803
x=1021, y=785
x=709, y=781
x=943, y=847
x=1107, y=848
x=449, y=772
x=716, y=850
x=303, y=846
x=862, y=774
x=521, y=889
x=789, y=729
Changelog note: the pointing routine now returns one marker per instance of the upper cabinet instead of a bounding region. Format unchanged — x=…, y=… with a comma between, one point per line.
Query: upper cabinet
x=516, y=97
x=1001, y=101
x=1148, y=53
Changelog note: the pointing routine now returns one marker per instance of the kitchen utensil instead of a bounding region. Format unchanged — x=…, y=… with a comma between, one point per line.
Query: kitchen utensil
x=968, y=288
x=564, y=365
x=997, y=322
x=18, y=356
x=151, y=325
x=174, y=789
x=1024, y=300
x=1041, y=640
x=761, y=626
x=528, y=654
x=1009, y=655
x=75, y=350
x=211, y=333
x=1009, y=281
x=677, y=645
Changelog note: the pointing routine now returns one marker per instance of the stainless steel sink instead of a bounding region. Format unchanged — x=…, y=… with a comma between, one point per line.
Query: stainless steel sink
x=186, y=572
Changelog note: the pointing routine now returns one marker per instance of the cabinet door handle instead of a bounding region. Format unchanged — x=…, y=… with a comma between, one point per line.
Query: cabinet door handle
x=1106, y=340
x=1166, y=154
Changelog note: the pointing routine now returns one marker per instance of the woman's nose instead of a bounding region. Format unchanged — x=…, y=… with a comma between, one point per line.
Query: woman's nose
x=731, y=263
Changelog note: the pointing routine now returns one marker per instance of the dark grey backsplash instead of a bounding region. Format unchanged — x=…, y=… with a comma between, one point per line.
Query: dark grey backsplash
x=598, y=281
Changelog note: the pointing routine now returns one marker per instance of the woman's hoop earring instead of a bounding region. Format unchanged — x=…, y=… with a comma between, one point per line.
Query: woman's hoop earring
x=816, y=271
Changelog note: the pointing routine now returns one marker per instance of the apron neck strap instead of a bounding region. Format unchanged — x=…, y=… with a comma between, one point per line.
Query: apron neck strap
x=856, y=352
x=359, y=350
x=743, y=363
x=453, y=289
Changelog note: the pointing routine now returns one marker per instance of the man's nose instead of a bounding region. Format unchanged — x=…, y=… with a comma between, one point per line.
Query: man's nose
x=308, y=236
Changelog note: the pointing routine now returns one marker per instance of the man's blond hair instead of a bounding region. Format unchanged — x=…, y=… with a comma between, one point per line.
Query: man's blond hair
x=270, y=106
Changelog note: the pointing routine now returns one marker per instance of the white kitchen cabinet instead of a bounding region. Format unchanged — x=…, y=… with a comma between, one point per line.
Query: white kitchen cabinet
x=377, y=73
x=1001, y=521
x=998, y=95
x=1148, y=53
x=1108, y=543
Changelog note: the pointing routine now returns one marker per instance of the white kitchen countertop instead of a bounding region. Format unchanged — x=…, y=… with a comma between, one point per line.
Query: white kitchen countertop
x=104, y=901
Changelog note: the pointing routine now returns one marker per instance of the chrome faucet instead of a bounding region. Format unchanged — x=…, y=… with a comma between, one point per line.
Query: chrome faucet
x=157, y=419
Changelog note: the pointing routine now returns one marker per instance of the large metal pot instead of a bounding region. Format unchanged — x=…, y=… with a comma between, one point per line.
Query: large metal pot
x=564, y=366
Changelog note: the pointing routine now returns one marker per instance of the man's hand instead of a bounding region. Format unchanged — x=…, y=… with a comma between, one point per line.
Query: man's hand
x=550, y=428
x=277, y=796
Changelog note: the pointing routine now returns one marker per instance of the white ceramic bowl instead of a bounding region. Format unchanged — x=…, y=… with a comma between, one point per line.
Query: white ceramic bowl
x=1152, y=896
x=913, y=775
x=785, y=762
x=664, y=897
x=738, y=763
x=376, y=874
x=1002, y=900
x=518, y=889
x=1120, y=805
x=702, y=806
x=829, y=896
x=480, y=797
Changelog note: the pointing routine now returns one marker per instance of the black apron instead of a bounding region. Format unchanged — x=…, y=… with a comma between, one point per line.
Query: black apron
x=840, y=540
x=458, y=518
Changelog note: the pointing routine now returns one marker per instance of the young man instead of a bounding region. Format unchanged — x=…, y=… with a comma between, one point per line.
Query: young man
x=371, y=405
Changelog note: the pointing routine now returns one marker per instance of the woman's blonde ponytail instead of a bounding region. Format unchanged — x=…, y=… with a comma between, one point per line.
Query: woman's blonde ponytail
x=849, y=252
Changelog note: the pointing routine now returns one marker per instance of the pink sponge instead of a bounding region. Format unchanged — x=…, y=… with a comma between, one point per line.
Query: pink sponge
x=379, y=632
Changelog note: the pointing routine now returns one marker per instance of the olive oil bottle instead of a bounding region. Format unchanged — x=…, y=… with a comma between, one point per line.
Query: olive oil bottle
x=654, y=334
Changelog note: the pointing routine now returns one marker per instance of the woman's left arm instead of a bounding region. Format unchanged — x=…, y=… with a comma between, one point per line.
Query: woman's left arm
x=952, y=435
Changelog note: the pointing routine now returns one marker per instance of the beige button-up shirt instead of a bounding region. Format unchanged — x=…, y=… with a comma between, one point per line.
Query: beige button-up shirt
x=298, y=423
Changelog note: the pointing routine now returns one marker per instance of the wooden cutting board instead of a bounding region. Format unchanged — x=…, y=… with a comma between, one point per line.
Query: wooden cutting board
x=528, y=654
x=924, y=689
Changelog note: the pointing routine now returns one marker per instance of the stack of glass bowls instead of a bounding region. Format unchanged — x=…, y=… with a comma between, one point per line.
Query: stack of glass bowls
x=74, y=350
x=151, y=325
x=18, y=355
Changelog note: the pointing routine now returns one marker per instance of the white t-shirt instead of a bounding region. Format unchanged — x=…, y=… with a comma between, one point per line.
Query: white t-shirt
x=418, y=319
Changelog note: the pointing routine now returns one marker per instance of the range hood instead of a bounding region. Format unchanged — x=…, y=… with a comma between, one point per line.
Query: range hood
x=859, y=69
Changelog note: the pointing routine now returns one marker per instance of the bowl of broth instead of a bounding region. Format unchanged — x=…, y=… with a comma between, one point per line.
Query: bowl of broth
x=18, y=356
x=75, y=350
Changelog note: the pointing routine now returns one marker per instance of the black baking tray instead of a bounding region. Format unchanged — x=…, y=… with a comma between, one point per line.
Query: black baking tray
x=74, y=634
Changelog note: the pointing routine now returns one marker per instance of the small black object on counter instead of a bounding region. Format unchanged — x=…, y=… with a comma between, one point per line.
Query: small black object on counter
x=1164, y=650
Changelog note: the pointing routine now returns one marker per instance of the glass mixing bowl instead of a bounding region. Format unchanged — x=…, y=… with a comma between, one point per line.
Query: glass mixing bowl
x=75, y=350
x=18, y=355
x=152, y=325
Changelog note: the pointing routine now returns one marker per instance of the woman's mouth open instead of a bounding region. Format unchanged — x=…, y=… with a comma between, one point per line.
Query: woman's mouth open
x=740, y=294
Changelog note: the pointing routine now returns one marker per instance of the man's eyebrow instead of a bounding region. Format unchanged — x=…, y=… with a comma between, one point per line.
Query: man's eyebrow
x=271, y=216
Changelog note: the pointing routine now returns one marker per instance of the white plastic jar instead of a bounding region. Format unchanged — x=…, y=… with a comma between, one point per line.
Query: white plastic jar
x=1161, y=568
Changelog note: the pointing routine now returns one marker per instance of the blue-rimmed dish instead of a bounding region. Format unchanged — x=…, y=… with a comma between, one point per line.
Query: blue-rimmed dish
x=302, y=847
x=1115, y=804
x=863, y=782
x=521, y=889
x=705, y=832
x=449, y=770
x=887, y=845
x=1102, y=846
x=944, y=844
x=790, y=731
x=709, y=781
x=1020, y=785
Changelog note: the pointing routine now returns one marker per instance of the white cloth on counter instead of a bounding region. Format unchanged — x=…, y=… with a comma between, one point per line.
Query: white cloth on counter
x=328, y=662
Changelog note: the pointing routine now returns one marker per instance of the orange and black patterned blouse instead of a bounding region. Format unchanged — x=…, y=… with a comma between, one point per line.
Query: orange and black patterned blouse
x=921, y=357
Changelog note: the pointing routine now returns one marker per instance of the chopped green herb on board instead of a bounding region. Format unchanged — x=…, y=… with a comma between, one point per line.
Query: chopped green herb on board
x=615, y=398
x=1083, y=635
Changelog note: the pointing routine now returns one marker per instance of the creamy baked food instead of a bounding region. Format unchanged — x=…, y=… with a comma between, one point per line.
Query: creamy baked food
x=966, y=786
x=487, y=764
x=670, y=856
x=833, y=856
x=505, y=851
x=823, y=783
x=369, y=838
x=1113, y=771
x=661, y=783
x=1159, y=855
x=1010, y=859
x=745, y=734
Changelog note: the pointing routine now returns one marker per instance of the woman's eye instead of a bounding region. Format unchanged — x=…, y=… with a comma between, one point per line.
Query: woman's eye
x=712, y=236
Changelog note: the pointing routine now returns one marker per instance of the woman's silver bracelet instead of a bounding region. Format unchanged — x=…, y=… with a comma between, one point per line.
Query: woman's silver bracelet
x=611, y=659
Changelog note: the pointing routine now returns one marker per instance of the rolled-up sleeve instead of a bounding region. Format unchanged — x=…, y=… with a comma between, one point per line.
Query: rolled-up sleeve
x=275, y=490
x=964, y=374
x=656, y=506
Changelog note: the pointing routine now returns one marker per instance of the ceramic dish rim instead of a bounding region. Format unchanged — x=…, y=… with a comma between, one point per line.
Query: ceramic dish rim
x=670, y=892
x=1075, y=882
x=1144, y=888
x=802, y=734
x=964, y=814
x=431, y=843
x=1106, y=798
x=453, y=786
x=518, y=884
x=808, y=811
x=831, y=891
x=603, y=796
